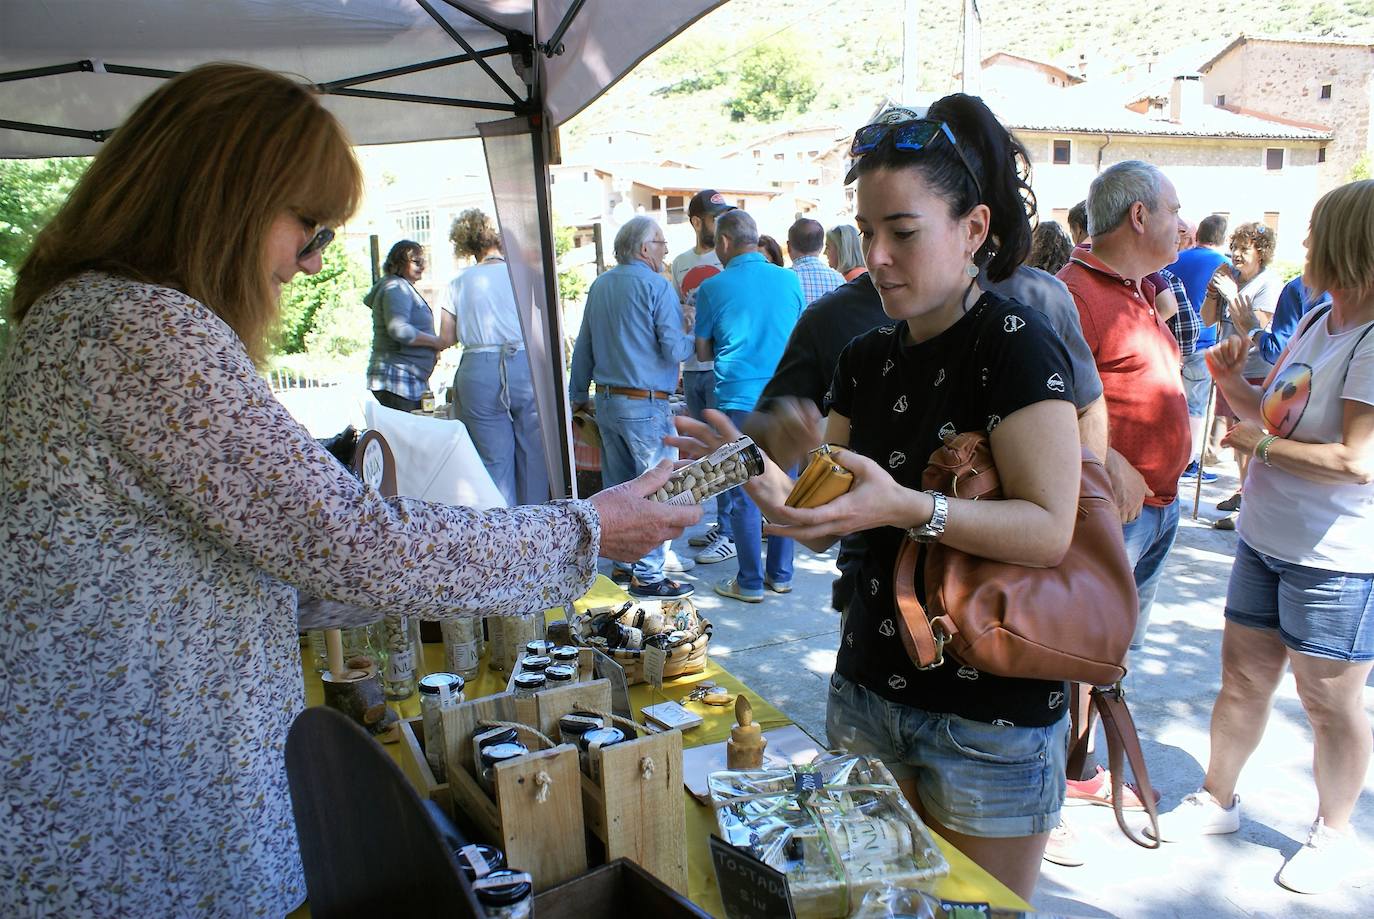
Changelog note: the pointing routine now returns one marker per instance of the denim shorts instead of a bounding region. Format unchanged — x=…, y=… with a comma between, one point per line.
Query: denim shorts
x=1317, y=612
x=1197, y=380
x=975, y=778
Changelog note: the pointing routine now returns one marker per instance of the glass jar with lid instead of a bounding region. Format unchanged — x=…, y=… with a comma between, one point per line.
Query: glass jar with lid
x=495, y=754
x=526, y=685
x=506, y=894
x=401, y=647
x=437, y=692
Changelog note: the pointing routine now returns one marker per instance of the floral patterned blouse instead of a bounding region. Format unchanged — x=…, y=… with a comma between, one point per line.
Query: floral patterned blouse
x=158, y=510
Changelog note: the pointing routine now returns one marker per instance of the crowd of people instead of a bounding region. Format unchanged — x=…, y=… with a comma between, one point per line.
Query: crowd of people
x=162, y=507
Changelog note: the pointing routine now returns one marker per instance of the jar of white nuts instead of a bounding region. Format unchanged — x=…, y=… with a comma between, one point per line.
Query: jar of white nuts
x=726, y=467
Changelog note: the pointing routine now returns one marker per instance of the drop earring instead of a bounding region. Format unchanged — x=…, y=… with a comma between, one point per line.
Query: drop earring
x=971, y=270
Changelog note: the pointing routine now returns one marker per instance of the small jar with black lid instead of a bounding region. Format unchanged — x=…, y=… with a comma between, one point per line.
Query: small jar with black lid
x=437, y=691
x=572, y=726
x=538, y=646
x=566, y=654
x=525, y=685
x=560, y=675
x=479, y=860
x=506, y=894
x=535, y=663
x=591, y=744
x=495, y=754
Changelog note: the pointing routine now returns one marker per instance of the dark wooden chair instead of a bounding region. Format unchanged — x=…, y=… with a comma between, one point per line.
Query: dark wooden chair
x=369, y=845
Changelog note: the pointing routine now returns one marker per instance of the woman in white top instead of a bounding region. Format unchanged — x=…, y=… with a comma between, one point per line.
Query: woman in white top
x=1300, y=591
x=492, y=386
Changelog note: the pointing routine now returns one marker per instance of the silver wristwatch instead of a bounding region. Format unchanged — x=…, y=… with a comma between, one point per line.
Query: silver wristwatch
x=932, y=530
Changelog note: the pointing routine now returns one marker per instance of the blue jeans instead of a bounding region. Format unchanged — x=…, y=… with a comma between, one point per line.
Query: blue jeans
x=1149, y=538
x=699, y=386
x=496, y=405
x=1317, y=612
x=978, y=779
x=746, y=527
x=632, y=432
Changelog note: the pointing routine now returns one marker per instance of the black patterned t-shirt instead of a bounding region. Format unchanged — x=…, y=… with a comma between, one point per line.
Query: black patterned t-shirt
x=901, y=398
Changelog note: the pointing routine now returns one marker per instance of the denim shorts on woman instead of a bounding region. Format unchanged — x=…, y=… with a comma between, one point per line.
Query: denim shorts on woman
x=1316, y=611
x=977, y=779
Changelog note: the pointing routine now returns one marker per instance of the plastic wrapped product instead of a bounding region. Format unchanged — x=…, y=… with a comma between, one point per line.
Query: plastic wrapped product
x=726, y=467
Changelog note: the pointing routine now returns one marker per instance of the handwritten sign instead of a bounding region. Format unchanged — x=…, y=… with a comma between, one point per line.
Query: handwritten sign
x=749, y=889
x=653, y=660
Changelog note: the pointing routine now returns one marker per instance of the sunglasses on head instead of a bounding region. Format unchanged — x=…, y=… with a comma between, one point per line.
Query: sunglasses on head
x=910, y=136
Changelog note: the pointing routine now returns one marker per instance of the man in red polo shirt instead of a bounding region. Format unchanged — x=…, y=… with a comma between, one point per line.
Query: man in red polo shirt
x=1133, y=221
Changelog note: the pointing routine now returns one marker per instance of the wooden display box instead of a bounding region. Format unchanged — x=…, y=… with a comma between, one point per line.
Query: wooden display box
x=638, y=808
x=416, y=767
x=615, y=891
x=527, y=710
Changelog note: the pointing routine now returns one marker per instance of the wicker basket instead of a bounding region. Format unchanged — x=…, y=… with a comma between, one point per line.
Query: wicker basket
x=685, y=658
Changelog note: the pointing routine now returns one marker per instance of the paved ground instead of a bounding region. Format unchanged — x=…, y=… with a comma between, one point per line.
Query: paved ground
x=785, y=648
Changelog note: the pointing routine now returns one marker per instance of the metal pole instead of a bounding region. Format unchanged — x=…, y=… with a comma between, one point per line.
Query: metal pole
x=376, y=257
x=600, y=242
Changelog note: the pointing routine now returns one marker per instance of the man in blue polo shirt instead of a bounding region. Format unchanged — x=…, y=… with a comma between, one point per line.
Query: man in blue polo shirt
x=744, y=317
x=1194, y=268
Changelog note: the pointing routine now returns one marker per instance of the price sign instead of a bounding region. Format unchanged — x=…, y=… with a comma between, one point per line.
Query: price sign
x=749, y=889
x=653, y=660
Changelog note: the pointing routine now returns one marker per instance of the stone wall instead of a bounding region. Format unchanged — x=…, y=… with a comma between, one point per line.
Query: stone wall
x=1211, y=175
x=1286, y=78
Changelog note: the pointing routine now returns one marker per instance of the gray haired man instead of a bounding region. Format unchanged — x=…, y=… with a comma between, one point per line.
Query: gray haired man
x=631, y=342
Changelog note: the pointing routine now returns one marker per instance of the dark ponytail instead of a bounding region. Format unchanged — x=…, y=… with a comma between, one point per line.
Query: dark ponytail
x=1003, y=170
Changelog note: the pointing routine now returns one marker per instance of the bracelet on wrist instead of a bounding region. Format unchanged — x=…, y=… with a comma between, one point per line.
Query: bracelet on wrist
x=1262, y=448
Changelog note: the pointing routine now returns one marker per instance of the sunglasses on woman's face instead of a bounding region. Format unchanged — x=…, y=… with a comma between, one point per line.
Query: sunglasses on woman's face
x=323, y=237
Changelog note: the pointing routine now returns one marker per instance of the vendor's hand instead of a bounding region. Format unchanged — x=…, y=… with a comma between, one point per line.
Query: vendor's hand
x=1244, y=436
x=787, y=429
x=696, y=439
x=1227, y=358
x=1128, y=486
x=632, y=525
x=874, y=500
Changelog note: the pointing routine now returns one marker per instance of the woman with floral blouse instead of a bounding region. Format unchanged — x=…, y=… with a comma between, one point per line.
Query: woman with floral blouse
x=159, y=508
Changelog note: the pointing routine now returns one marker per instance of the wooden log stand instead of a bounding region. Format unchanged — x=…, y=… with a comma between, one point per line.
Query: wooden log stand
x=355, y=691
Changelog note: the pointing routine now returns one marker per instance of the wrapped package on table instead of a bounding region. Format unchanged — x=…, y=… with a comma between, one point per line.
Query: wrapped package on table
x=837, y=828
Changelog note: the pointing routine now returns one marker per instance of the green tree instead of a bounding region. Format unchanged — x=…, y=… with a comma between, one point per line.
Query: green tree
x=773, y=78
x=304, y=299
x=693, y=67
x=571, y=283
x=1361, y=170
x=31, y=191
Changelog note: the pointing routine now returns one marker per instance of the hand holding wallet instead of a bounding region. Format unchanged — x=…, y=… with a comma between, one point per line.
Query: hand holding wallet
x=822, y=481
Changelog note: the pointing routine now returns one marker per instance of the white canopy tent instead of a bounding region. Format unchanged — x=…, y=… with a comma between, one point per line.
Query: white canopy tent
x=509, y=71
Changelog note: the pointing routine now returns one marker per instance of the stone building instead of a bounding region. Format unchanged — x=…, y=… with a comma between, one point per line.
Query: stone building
x=1324, y=84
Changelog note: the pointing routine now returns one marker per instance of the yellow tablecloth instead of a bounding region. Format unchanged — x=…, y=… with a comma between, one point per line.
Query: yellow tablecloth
x=966, y=880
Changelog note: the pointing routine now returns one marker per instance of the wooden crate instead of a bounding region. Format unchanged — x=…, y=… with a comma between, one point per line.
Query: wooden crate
x=614, y=891
x=536, y=818
x=638, y=808
x=416, y=767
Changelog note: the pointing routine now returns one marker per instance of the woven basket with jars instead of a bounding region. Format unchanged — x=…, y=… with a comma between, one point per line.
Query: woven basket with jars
x=624, y=631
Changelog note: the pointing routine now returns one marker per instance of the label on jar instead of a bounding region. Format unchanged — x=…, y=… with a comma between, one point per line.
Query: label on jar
x=400, y=665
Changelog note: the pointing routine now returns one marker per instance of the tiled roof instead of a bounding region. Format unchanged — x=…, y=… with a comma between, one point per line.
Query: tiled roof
x=1284, y=40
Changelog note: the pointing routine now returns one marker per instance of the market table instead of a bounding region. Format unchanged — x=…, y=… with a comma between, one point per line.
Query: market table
x=966, y=880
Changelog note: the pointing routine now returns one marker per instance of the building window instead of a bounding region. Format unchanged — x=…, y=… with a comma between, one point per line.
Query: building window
x=1273, y=158
x=552, y=178
x=779, y=156
x=586, y=177
x=1221, y=100
x=415, y=225
x=813, y=153
x=1271, y=220
x=1321, y=154
x=1326, y=90
x=1063, y=152
x=758, y=154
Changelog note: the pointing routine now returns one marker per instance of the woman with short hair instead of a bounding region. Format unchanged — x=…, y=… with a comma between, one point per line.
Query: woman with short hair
x=405, y=343
x=1300, y=592
x=844, y=252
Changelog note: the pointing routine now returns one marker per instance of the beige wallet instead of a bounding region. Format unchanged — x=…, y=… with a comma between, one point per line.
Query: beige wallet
x=822, y=481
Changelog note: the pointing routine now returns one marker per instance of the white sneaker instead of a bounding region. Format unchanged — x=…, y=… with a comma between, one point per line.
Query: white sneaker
x=1328, y=859
x=676, y=564
x=1198, y=814
x=721, y=549
x=705, y=538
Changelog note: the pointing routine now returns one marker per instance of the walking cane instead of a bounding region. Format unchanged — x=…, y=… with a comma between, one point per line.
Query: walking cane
x=1206, y=433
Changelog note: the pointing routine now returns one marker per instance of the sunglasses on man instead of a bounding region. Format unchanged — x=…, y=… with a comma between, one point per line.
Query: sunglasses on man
x=909, y=136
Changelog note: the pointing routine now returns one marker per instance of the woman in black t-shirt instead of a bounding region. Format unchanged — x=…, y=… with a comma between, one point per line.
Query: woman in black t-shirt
x=980, y=757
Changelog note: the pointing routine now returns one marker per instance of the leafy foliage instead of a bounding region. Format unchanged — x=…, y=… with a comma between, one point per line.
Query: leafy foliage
x=572, y=285
x=311, y=298
x=774, y=78
x=1362, y=168
x=31, y=191
x=700, y=65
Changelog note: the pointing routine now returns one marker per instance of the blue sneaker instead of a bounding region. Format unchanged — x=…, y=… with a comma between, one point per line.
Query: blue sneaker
x=1191, y=474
